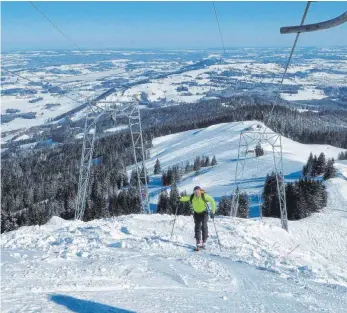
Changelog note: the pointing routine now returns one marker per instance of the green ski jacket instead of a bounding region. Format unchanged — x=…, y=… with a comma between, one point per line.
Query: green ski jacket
x=199, y=205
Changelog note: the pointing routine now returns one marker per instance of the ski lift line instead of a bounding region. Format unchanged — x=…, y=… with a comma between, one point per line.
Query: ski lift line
x=66, y=36
x=316, y=26
x=287, y=65
x=219, y=29
x=60, y=31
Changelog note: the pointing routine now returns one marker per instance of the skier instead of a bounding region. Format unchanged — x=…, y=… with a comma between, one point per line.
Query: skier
x=198, y=201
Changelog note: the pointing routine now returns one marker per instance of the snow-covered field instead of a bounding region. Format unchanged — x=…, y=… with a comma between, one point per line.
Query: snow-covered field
x=130, y=264
x=305, y=93
x=167, y=77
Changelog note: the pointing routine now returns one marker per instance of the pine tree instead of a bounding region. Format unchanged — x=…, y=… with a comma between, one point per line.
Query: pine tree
x=164, y=179
x=170, y=176
x=321, y=164
x=163, y=202
x=267, y=196
x=174, y=198
x=197, y=164
x=97, y=196
x=243, y=208
x=134, y=202
x=259, y=151
x=309, y=165
x=157, y=167
x=44, y=214
x=89, y=211
x=122, y=203
x=291, y=202
x=8, y=222
x=134, y=178
x=187, y=168
x=214, y=161
x=330, y=170
x=314, y=169
x=224, y=206
x=184, y=207
x=176, y=173
x=270, y=207
x=304, y=197
x=305, y=170
x=342, y=155
x=113, y=205
x=33, y=215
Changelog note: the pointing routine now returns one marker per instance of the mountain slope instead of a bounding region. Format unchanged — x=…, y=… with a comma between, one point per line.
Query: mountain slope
x=222, y=140
x=130, y=263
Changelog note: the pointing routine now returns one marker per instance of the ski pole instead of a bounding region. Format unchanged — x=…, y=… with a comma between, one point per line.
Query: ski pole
x=174, y=222
x=220, y=248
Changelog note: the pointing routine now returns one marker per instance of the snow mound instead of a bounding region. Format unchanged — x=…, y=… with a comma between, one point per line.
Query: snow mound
x=56, y=220
x=337, y=200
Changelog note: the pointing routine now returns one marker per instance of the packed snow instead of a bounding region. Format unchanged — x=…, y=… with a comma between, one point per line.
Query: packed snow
x=130, y=264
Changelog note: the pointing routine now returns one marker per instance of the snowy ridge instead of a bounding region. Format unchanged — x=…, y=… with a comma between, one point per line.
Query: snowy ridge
x=130, y=262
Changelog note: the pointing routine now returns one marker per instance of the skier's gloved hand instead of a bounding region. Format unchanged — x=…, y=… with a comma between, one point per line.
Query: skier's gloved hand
x=212, y=215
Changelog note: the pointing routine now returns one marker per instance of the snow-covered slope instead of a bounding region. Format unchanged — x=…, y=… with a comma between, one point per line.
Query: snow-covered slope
x=222, y=140
x=130, y=264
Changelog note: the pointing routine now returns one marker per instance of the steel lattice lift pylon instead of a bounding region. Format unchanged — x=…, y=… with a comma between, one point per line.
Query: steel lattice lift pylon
x=130, y=110
x=248, y=140
x=139, y=155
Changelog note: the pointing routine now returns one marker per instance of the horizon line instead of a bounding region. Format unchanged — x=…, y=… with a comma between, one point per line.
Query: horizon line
x=167, y=48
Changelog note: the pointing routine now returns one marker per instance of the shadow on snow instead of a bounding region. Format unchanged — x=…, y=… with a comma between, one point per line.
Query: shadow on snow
x=85, y=306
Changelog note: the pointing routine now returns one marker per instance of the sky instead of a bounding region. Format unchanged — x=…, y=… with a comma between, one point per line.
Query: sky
x=170, y=25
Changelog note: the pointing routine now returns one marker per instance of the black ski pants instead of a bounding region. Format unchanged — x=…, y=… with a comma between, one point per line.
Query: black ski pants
x=200, y=220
